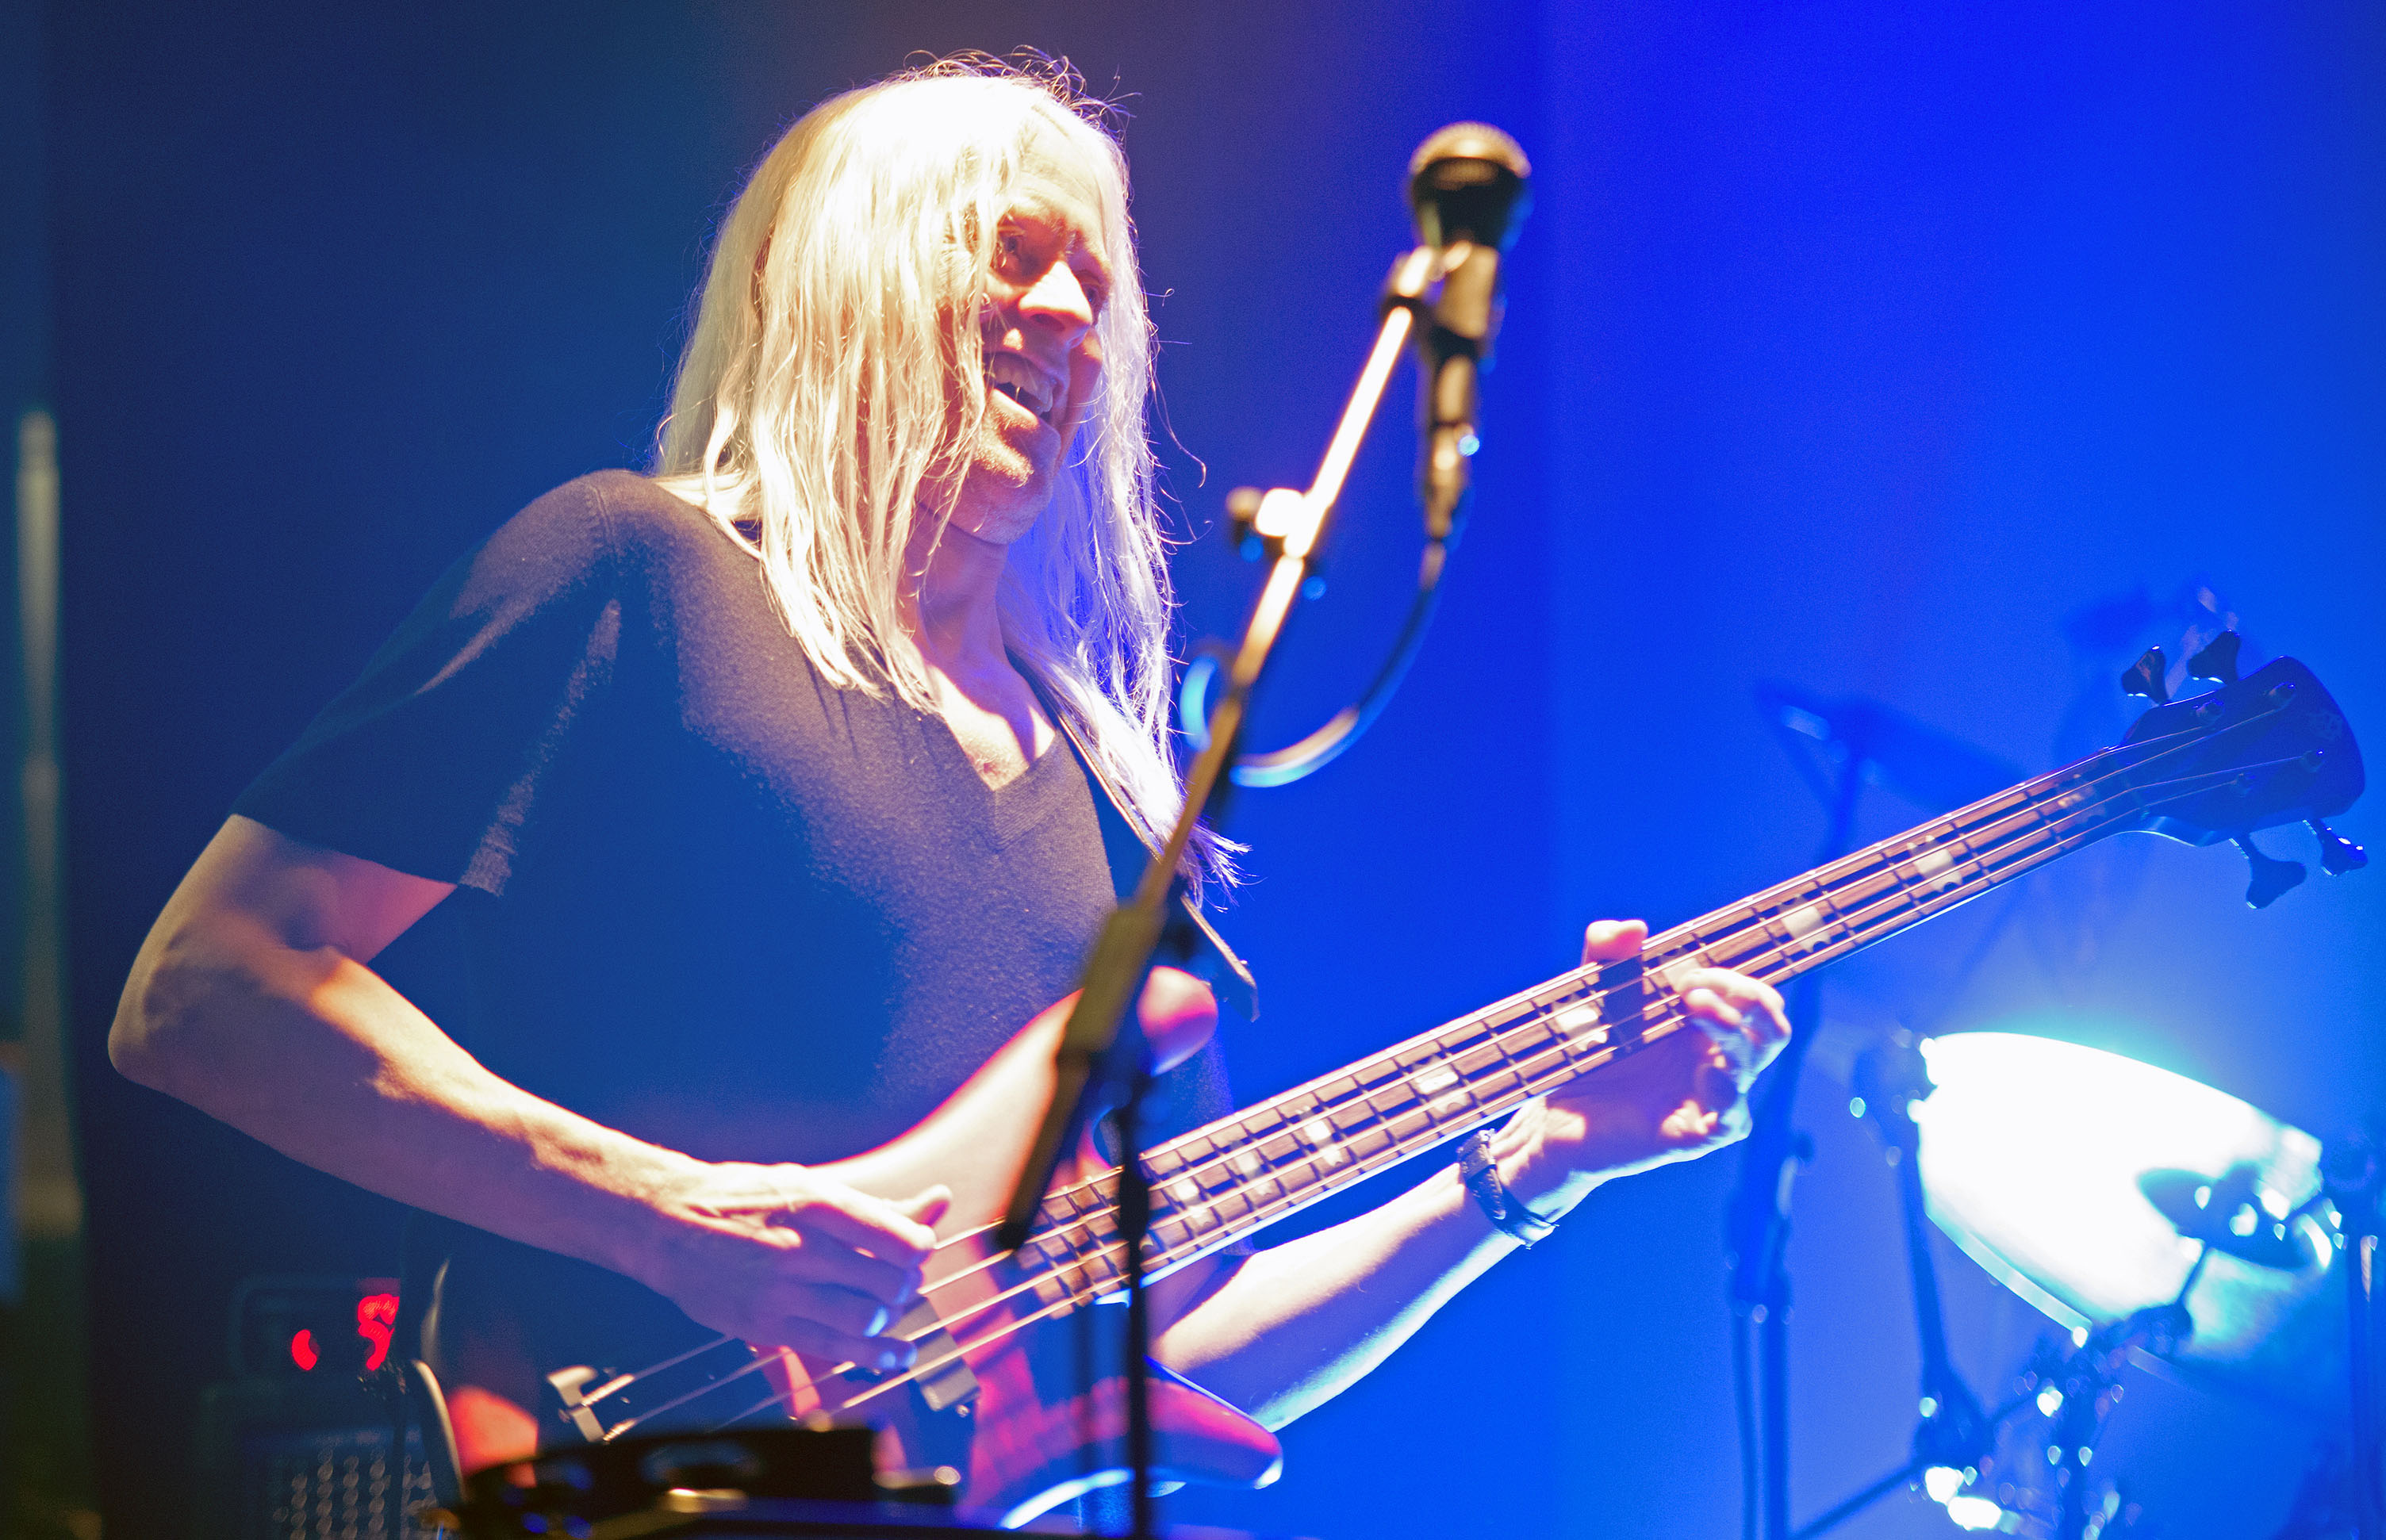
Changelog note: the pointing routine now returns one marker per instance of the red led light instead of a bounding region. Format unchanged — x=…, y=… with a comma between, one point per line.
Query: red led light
x=376, y=1314
x=302, y=1349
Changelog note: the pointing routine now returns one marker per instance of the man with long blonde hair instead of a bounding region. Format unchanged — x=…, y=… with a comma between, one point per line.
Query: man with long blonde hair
x=776, y=790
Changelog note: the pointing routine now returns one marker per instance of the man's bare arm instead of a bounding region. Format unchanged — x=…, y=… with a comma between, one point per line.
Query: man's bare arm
x=252, y=1000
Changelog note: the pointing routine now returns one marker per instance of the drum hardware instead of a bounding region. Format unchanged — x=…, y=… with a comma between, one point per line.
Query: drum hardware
x=2095, y=1187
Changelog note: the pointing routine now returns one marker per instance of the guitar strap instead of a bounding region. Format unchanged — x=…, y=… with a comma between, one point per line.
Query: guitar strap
x=1198, y=947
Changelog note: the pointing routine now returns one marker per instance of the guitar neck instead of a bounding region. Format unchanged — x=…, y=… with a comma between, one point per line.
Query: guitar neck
x=1232, y=1177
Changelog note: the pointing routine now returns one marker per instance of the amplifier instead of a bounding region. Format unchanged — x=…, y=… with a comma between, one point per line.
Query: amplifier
x=295, y=1446
x=301, y=1460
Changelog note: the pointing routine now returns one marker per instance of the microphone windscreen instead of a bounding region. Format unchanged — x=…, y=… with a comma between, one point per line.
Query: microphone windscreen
x=1469, y=181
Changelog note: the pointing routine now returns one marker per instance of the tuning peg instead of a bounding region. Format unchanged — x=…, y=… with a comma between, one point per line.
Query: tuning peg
x=2271, y=878
x=2147, y=677
x=2337, y=854
x=2218, y=661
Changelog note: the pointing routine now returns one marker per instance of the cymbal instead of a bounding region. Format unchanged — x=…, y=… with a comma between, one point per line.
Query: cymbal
x=2091, y=1185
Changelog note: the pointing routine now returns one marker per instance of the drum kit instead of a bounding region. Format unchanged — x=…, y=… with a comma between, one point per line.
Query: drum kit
x=2159, y=1221
x=2156, y=1221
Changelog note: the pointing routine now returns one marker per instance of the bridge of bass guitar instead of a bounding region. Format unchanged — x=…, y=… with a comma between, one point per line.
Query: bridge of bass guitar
x=1031, y=1409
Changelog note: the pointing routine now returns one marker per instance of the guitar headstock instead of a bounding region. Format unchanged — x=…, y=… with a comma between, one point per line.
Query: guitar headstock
x=2253, y=753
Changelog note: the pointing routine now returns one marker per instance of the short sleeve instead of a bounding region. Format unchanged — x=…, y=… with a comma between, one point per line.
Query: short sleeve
x=442, y=753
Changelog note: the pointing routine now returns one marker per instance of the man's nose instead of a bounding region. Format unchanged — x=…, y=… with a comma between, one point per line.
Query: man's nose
x=1057, y=300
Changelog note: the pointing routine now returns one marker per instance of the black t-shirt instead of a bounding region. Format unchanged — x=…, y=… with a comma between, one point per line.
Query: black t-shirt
x=710, y=900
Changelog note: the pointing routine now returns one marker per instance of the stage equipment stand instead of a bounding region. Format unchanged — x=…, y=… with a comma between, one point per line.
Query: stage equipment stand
x=2352, y=1177
x=1467, y=185
x=1757, y=1223
x=1954, y=1432
x=1931, y=768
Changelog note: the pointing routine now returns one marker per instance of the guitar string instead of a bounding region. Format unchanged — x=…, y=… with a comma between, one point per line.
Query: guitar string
x=2000, y=857
x=1564, y=985
x=1855, y=924
x=1657, y=957
x=1531, y=1082
x=1530, y=1085
x=1658, y=950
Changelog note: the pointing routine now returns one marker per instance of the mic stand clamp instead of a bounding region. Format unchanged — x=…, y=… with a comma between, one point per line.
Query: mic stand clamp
x=1456, y=348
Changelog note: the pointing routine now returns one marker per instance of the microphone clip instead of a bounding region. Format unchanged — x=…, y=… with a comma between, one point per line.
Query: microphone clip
x=1454, y=293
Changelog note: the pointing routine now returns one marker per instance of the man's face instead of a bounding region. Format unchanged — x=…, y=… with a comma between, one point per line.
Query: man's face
x=1051, y=279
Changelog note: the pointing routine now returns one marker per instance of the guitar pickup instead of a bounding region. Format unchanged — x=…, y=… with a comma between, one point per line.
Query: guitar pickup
x=951, y=1382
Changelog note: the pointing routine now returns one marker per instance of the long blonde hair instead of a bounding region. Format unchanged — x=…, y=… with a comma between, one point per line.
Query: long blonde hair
x=813, y=413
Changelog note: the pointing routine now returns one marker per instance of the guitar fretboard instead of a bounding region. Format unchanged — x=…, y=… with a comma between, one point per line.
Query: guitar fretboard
x=1222, y=1181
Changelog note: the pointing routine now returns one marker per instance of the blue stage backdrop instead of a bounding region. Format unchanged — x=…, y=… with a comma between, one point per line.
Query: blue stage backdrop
x=1858, y=346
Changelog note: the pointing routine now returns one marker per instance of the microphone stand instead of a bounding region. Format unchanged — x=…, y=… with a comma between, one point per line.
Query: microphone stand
x=1096, y=1060
x=1757, y=1222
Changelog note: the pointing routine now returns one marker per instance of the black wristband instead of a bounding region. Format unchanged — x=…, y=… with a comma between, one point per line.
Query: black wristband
x=1503, y=1209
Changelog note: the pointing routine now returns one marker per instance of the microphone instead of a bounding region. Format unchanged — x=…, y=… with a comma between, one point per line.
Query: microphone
x=1469, y=181
x=1470, y=188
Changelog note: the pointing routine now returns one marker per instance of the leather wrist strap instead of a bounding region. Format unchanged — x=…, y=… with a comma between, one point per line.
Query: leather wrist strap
x=1503, y=1209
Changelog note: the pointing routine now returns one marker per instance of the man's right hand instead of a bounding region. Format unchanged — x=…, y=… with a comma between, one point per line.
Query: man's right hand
x=785, y=1257
x=252, y=1000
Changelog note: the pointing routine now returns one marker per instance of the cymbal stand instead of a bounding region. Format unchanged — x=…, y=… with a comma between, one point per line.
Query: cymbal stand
x=1908, y=1473
x=1954, y=1432
x=2089, y=1384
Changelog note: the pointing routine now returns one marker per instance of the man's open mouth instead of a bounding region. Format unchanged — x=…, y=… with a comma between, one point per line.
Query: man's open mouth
x=1008, y=374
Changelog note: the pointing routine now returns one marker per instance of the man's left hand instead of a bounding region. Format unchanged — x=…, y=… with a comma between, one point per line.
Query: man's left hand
x=1674, y=1100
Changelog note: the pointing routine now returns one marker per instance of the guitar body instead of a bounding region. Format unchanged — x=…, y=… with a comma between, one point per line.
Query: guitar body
x=1035, y=1412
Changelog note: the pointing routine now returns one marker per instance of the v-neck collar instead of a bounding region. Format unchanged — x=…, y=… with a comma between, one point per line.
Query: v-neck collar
x=1128, y=854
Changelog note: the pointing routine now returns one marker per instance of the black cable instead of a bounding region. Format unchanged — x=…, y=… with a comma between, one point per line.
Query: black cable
x=1284, y=766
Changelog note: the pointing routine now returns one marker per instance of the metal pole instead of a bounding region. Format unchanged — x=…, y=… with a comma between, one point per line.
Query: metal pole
x=49, y=1198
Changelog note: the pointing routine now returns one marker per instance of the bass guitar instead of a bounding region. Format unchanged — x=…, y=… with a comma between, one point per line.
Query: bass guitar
x=999, y=1391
